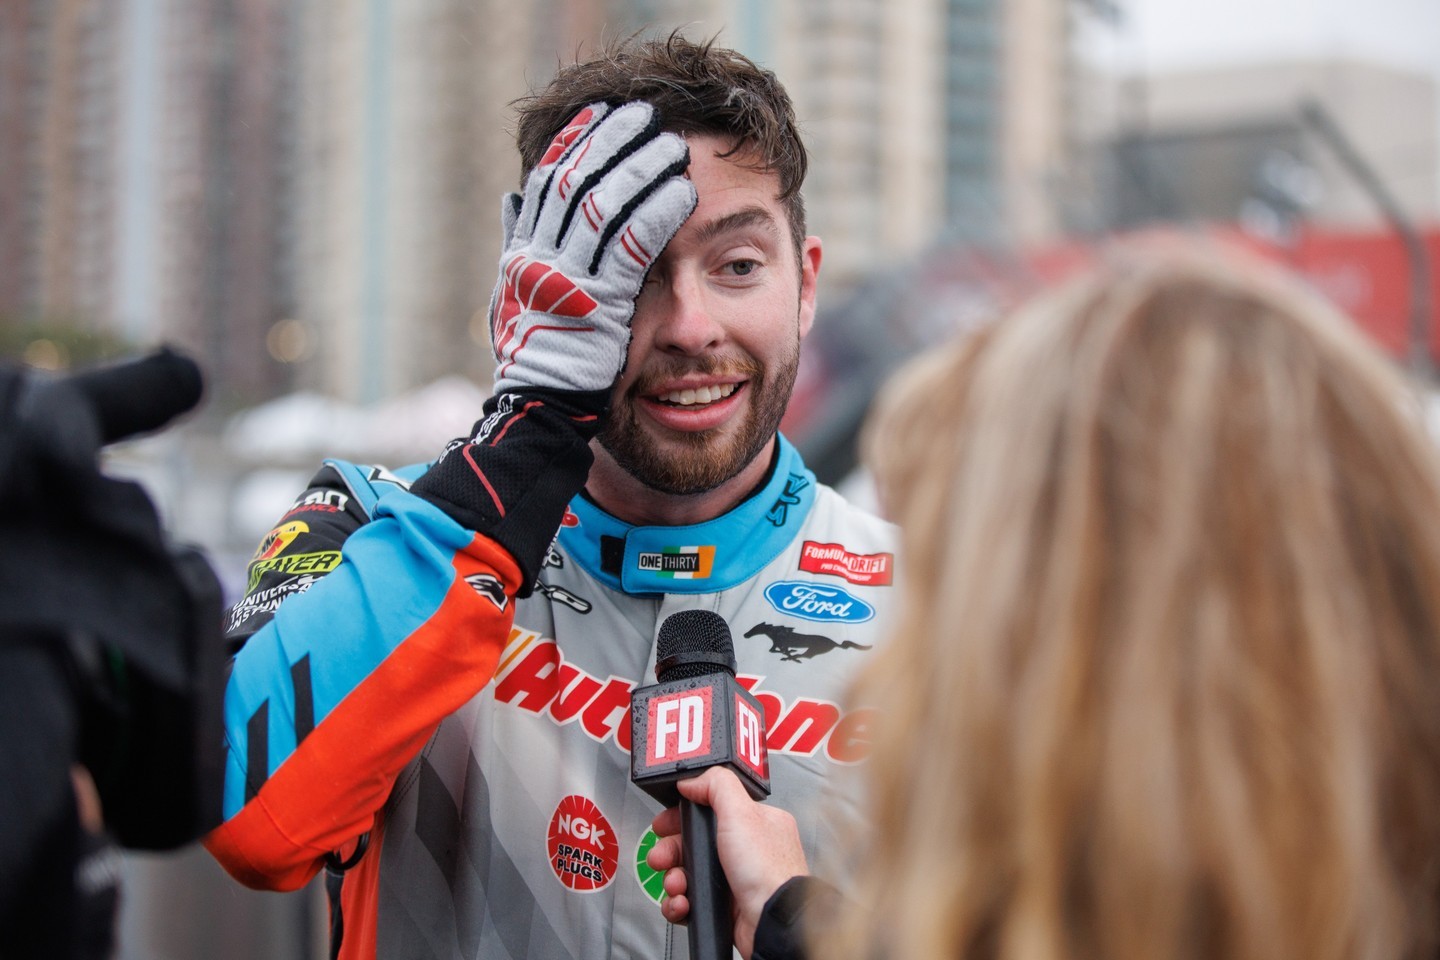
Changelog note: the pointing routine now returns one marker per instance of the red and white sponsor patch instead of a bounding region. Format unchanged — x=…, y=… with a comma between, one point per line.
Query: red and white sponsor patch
x=866, y=569
x=584, y=851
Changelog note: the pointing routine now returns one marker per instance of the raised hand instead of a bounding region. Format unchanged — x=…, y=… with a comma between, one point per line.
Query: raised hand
x=598, y=209
x=600, y=206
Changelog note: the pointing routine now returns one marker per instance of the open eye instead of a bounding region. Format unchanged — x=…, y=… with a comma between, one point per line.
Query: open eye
x=741, y=268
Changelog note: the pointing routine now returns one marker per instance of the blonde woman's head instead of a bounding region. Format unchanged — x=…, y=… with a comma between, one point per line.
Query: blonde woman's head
x=1168, y=680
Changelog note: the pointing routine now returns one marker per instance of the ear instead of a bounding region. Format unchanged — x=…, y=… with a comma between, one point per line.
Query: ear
x=810, y=256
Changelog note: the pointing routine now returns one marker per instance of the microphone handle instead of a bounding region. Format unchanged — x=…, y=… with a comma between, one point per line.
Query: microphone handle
x=711, y=930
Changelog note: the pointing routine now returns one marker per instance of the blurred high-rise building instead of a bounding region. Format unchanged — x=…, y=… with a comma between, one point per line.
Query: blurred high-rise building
x=222, y=182
x=145, y=149
x=57, y=161
x=403, y=155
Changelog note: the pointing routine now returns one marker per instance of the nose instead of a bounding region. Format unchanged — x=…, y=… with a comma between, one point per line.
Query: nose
x=683, y=322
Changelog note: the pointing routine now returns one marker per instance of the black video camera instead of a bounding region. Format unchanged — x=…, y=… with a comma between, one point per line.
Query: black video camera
x=110, y=650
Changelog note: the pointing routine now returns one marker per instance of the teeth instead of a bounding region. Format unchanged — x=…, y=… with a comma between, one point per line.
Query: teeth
x=687, y=397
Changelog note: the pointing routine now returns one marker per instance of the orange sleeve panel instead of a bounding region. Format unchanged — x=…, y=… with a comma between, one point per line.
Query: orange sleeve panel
x=402, y=634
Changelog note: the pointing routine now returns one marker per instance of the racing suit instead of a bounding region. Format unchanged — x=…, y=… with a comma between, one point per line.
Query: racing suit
x=487, y=760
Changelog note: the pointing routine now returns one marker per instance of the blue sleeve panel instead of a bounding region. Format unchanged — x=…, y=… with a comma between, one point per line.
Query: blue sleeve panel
x=321, y=644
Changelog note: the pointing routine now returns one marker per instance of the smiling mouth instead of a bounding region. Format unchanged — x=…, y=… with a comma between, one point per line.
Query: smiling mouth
x=698, y=396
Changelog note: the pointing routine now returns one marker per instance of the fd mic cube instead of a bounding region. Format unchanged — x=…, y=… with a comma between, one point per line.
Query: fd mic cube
x=682, y=727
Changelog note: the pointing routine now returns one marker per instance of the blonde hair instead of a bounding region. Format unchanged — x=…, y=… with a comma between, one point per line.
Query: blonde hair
x=1167, y=683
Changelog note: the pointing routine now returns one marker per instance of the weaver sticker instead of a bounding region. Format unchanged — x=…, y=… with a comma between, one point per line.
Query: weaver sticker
x=321, y=561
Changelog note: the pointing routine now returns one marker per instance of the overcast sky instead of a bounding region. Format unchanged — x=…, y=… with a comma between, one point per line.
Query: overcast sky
x=1161, y=34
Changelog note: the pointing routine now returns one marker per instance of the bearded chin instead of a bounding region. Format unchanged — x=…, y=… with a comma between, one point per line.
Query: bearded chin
x=694, y=463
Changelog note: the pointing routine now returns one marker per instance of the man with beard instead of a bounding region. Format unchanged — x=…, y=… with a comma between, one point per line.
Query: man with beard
x=432, y=692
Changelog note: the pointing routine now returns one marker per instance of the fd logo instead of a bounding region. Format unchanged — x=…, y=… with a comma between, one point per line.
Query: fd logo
x=584, y=851
x=679, y=726
x=749, y=738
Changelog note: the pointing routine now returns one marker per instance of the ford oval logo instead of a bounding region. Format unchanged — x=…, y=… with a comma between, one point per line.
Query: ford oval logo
x=816, y=601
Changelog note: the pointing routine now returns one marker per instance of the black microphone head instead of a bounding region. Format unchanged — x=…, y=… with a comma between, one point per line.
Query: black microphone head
x=693, y=643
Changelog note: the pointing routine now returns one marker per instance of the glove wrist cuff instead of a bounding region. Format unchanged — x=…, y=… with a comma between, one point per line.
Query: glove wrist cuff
x=512, y=479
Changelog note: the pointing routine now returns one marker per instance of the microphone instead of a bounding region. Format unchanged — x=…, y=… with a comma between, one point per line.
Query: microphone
x=698, y=716
x=142, y=395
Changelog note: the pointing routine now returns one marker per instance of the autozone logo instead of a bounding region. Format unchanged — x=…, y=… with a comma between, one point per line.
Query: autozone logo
x=679, y=563
x=535, y=677
x=865, y=569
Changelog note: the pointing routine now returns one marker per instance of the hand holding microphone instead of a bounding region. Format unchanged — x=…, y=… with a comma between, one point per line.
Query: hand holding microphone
x=758, y=845
x=696, y=718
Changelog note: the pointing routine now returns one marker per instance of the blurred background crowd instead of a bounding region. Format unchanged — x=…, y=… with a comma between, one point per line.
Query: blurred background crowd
x=303, y=194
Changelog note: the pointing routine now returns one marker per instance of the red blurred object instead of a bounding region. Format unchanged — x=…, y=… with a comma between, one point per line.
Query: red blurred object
x=1368, y=276
x=1365, y=272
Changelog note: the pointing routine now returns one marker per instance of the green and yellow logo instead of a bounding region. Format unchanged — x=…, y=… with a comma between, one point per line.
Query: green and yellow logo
x=322, y=561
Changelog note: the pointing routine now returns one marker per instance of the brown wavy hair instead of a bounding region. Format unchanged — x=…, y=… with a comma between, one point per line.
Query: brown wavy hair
x=1167, y=683
x=696, y=88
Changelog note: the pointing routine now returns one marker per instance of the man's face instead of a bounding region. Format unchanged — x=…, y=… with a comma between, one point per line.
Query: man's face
x=716, y=333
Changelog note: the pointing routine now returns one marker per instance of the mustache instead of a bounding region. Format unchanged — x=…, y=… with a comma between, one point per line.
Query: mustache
x=661, y=369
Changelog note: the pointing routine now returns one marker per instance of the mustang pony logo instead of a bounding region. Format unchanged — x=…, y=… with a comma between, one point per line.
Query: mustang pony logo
x=795, y=646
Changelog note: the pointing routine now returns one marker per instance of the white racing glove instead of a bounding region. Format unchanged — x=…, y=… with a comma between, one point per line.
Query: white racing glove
x=598, y=209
